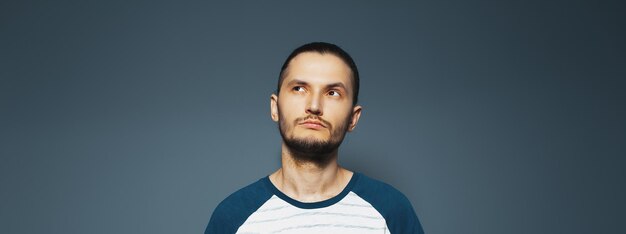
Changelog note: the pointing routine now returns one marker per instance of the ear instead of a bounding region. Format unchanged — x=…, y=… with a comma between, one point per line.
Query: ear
x=356, y=114
x=274, y=107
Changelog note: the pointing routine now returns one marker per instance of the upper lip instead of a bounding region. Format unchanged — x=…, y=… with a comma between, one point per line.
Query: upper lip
x=311, y=121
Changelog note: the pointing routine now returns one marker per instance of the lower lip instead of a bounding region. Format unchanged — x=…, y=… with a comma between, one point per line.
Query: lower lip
x=312, y=125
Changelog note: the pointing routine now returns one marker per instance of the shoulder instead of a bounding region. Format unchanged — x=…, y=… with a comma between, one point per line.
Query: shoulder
x=380, y=194
x=392, y=204
x=235, y=209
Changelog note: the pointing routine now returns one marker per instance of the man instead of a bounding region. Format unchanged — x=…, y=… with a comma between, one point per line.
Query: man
x=315, y=105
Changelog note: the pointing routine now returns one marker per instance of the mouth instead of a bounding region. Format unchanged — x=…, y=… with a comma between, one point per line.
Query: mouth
x=312, y=124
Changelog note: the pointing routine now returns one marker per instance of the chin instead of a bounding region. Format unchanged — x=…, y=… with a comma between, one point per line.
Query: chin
x=312, y=137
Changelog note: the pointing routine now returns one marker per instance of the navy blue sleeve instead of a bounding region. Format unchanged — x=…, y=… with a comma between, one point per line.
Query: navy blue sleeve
x=391, y=204
x=233, y=211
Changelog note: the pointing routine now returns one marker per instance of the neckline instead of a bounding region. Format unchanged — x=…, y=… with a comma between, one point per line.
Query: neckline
x=313, y=205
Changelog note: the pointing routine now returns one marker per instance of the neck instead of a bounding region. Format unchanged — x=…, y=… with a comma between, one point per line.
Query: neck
x=310, y=181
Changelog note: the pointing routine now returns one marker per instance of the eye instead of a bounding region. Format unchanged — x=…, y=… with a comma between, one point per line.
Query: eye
x=333, y=93
x=298, y=88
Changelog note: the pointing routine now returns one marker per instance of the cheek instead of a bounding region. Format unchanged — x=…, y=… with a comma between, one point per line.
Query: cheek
x=339, y=115
x=337, y=108
x=288, y=113
x=291, y=103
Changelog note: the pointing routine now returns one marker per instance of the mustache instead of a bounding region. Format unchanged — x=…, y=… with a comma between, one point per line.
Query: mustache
x=313, y=117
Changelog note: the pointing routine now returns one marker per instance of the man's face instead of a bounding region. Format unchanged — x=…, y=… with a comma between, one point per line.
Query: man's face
x=314, y=108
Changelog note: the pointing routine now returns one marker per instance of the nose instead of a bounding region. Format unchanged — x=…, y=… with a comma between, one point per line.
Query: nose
x=314, y=105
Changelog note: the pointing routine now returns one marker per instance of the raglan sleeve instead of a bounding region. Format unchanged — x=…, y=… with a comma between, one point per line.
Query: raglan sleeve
x=401, y=218
x=222, y=221
x=394, y=206
x=233, y=211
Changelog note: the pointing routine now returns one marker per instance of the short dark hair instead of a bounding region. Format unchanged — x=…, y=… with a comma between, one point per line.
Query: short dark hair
x=324, y=48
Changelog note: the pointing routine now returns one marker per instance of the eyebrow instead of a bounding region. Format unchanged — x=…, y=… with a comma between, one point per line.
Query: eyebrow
x=331, y=85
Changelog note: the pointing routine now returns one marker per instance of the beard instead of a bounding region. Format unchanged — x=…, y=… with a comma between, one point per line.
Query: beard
x=310, y=149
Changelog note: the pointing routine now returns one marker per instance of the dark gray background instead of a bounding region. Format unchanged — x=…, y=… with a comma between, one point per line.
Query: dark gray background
x=139, y=117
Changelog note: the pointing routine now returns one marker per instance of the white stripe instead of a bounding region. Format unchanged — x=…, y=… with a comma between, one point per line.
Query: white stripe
x=350, y=215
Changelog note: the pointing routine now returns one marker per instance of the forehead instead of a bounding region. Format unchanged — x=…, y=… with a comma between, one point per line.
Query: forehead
x=316, y=68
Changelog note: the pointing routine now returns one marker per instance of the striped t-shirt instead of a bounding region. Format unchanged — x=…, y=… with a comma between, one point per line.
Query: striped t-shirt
x=364, y=206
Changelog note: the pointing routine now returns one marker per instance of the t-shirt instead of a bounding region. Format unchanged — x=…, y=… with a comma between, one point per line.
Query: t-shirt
x=364, y=206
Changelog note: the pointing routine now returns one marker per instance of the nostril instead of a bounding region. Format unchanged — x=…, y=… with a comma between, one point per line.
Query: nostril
x=315, y=111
